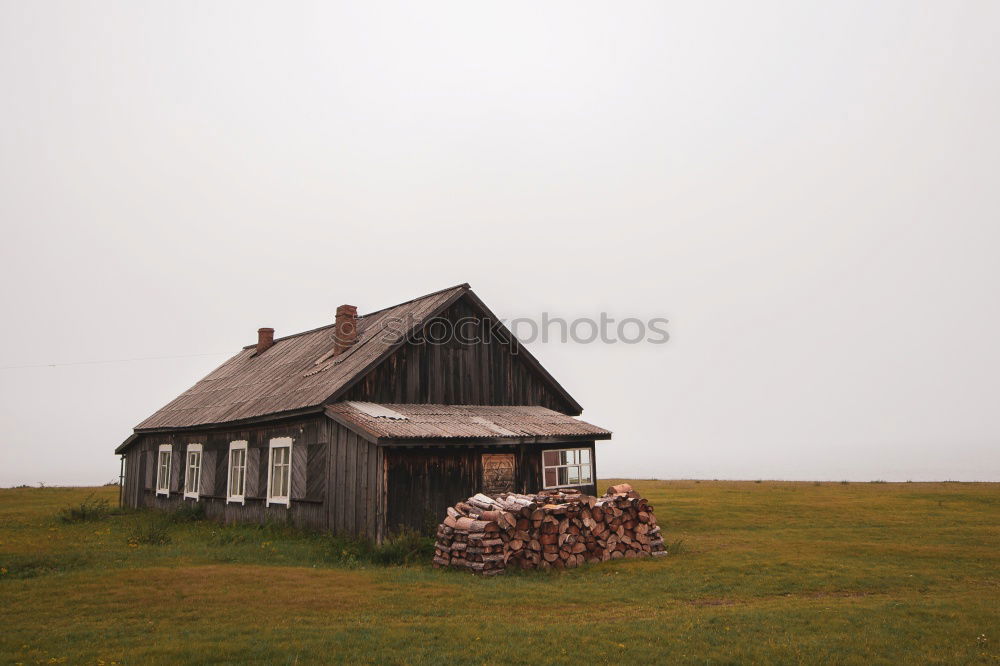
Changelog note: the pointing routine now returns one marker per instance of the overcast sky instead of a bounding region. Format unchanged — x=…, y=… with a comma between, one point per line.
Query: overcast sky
x=809, y=192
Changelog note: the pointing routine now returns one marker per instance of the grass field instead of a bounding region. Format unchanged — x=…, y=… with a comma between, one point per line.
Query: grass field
x=767, y=572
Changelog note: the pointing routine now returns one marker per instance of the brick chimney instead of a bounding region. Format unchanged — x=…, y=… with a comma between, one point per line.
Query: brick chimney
x=265, y=338
x=345, y=330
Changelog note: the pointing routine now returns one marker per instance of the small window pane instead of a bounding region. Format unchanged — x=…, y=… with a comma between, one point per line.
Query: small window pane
x=192, y=479
x=280, y=469
x=550, y=476
x=563, y=475
x=237, y=472
x=551, y=458
x=163, y=471
x=585, y=474
x=585, y=456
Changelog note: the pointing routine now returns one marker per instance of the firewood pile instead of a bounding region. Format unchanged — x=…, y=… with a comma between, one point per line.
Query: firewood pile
x=553, y=529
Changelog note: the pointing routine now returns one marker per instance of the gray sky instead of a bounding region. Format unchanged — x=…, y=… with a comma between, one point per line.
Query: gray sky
x=807, y=191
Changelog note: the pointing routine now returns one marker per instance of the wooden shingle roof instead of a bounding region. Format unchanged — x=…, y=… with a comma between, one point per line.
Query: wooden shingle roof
x=297, y=372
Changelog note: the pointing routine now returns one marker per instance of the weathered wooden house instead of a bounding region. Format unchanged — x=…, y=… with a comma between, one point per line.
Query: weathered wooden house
x=373, y=423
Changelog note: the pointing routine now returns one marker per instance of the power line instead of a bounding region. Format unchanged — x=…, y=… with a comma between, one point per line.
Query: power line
x=113, y=360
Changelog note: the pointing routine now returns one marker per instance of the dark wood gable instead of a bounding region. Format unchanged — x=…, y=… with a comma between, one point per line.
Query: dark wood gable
x=495, y=371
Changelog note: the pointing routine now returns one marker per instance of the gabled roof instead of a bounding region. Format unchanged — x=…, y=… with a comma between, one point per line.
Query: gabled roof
x=396, y=423
x=298, y=373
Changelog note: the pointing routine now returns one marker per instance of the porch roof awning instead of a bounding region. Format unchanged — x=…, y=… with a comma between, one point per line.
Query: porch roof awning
x=408, y=423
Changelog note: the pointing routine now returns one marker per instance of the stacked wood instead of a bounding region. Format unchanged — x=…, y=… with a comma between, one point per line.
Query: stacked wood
x=554, y=529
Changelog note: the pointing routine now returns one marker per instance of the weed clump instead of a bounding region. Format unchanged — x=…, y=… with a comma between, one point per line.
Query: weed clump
x=90, y=509
x=154, y=530
x=187, y=512
x=403, y=548
x=150, y=532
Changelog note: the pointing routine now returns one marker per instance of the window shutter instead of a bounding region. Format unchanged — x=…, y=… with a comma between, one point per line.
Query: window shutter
x=150, y=469
x=315, y=471
x=220, y=475
x=208, y=472
x=176, y=468
x=253, y=488
x=300, y=453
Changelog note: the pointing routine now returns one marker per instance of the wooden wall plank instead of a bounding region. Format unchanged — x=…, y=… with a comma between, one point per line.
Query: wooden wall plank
x=341, y=479
x=150, y=457
x=383, y=474
x=351, y=485
x=361, y=505
x=333, y=492
x=371, y=526
x=487, y=373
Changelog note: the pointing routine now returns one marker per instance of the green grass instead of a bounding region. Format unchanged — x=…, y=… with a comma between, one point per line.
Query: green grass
x=768, y=572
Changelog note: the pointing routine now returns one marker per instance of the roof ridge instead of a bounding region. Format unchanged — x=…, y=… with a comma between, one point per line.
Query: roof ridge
x=464, y=285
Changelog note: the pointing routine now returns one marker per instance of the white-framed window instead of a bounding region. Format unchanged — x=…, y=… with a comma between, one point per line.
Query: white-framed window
x=567, y=467
x=163, y=469
x=237, y=488
x=279, y=471
x=192, y=472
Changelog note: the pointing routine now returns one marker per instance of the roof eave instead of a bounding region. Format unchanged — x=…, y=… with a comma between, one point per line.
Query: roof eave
x=253, y=420
x=360, y=432
x=126, y=444
x=460, y=441
x=486, y=441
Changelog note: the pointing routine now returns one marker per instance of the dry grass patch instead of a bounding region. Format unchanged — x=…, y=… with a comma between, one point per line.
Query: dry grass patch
x=771, y=572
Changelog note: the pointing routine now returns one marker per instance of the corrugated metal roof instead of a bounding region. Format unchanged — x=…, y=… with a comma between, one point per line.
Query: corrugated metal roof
x=296, y=372
x=375, y=410
x=463, y=422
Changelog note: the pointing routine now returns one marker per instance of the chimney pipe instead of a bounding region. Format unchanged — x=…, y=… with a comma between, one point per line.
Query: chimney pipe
x=265, y=338
x=345, y=330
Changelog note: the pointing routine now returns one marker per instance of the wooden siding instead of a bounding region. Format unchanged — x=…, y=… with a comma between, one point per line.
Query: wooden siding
x=354, y=495
x=135, y=477
x=423, y=481
x=487, y=373
x=341, y=482
x=310, y=439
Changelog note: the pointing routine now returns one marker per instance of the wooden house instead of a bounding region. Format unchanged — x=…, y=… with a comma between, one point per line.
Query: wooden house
x=365, y=426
